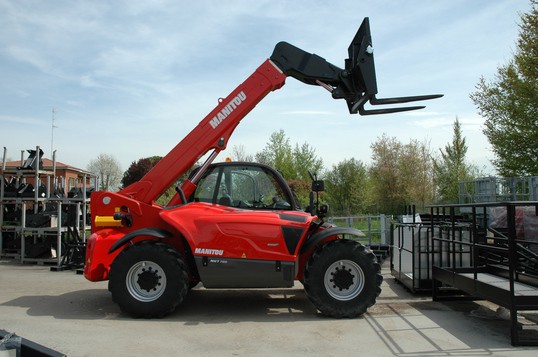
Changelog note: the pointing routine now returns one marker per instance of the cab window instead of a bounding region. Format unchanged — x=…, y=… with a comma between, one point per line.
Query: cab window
x=242, y=186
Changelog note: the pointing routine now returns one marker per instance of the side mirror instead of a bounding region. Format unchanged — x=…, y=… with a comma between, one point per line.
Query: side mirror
x=314, y=207
x=318, y=186
x=323, y=210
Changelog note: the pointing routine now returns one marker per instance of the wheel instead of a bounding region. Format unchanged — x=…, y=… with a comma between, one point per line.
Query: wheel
x=342, y=278
x=148, y=279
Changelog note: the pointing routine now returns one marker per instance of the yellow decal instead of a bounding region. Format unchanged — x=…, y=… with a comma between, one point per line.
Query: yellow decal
x=244, y=255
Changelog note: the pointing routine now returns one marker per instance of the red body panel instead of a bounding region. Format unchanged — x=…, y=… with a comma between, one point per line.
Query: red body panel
x=211, y=230
x=235, y=233
x=97, y=258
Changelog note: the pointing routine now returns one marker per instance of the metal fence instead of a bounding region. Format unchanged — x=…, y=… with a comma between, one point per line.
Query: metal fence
x=375, y=228
x=499, y=189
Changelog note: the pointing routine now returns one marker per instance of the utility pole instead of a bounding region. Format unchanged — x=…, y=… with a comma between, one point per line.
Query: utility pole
x=52, y=133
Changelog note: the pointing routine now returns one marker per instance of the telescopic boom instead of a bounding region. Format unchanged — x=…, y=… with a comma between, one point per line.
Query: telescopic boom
x=356, y=84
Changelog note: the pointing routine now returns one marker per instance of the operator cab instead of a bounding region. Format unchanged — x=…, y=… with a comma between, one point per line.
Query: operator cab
x=244, y=185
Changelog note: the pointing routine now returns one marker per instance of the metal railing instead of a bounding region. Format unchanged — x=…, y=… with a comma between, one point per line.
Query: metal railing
x=500, y=251
x=375, y=228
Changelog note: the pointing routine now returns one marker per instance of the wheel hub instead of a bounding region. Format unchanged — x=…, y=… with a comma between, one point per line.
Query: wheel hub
x=148, y=279
x=342, y=278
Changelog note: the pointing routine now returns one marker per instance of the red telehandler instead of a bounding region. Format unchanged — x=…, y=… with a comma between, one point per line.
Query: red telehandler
x=237, y=224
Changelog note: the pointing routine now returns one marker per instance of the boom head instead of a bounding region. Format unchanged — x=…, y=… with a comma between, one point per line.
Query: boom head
x=356, y=83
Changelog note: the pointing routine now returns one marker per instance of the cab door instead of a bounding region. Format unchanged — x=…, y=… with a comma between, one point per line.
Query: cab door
x=246, y=185
x=248, y=234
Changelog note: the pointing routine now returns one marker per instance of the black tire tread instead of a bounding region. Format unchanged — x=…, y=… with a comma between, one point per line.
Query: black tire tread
x=325, y=255
x=177, y=283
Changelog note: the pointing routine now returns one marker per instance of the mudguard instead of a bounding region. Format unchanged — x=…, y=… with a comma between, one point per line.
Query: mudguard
x=320, y=236
x=153, y=232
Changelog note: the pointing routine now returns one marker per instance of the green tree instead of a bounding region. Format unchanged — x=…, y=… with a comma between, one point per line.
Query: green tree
x=278, y=154
x=292, y=163
x=510, y=104
x=416, y=174
x=305, y=160
x=450, y=168
x=108, y=169
x=345, y=186
x=400, y=175
x=384, y=173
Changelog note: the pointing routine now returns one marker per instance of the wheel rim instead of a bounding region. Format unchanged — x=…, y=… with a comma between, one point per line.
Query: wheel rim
x=146, y=281
x=344, y=280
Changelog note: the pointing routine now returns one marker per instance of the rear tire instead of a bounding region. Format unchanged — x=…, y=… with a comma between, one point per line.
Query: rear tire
x=148, y=279
x=342, y=278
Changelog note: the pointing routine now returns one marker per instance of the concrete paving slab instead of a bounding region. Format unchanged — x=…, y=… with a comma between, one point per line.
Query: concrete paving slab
x=63, y=311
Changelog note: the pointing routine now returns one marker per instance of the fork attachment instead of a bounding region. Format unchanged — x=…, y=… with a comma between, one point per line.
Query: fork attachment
x=356, y=83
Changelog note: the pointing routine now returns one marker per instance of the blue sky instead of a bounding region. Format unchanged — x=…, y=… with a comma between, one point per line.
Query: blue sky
x=132, y=78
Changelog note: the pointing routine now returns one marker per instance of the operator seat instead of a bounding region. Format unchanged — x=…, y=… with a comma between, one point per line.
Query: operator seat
x=225, y=200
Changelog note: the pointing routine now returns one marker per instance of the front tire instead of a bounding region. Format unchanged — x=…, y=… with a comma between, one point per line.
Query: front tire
x=342, y=278
x=148, y=279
